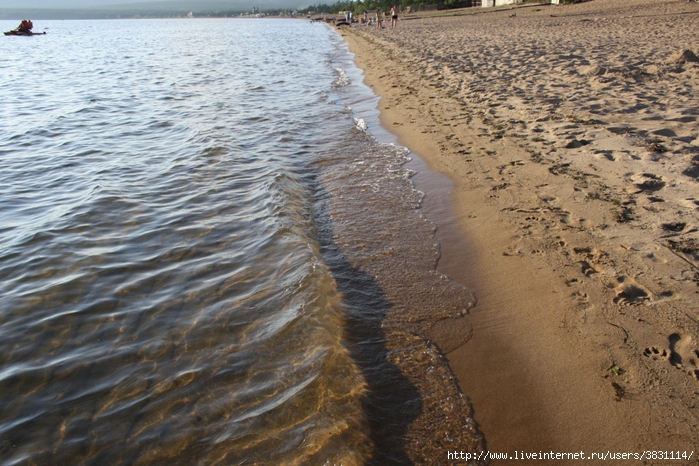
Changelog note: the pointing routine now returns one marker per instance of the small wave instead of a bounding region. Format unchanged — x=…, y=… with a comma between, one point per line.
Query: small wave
x=361, y=125
x=388, y=247
x=342, y=78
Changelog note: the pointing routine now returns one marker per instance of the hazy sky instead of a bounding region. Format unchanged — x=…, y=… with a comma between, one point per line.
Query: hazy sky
x=62, y=3
x=59, y=3
x=51, y=4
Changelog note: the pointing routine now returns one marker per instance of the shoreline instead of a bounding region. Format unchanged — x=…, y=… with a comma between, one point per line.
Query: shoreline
x=585, y=334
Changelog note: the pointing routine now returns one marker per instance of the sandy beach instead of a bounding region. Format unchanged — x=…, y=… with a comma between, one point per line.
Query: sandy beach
x=571, y=134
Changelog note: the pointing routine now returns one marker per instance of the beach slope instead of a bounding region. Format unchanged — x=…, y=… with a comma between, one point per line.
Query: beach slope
x=571, y=134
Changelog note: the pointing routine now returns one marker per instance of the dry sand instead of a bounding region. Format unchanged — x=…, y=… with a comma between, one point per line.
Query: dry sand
x=572, y=136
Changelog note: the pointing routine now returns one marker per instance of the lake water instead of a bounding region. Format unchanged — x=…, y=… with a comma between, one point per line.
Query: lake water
x=210, y=253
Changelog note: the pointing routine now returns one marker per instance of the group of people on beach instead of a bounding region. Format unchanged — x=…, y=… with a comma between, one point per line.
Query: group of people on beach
x=394, y=17
x=379, y=18
x=25, y=26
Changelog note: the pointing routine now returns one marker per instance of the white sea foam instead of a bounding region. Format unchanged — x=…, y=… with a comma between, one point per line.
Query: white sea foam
x=361, y=124
x=342, y=78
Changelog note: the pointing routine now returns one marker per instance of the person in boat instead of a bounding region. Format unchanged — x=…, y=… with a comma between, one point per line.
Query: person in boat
x=25, y=26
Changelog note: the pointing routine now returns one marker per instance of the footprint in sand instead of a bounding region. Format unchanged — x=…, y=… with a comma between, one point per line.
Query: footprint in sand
x=605, y=155
x=682, y=354
x=674, y=227
x=630, y=292
x=693, y=170
x=588, y=269
x=648, y=182
x=656, y=354
x=593, y=261
x=690, y=202
x=576, y=144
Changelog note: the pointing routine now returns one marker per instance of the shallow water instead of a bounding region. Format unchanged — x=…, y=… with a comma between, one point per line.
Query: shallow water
x=210, y=252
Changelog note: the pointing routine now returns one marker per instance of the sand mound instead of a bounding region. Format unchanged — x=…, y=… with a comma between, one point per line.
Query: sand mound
x=683, y=56
x=592, y=70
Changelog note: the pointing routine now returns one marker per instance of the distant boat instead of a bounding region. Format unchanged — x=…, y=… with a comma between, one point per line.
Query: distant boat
x=190, y=15
x=15, y=32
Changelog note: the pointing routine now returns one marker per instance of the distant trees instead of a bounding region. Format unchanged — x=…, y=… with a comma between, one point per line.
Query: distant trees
x=357, y=7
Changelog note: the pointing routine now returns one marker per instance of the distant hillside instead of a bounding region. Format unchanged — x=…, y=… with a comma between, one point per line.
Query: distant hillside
x=90, y=9
x=189, y=5
x=206, y=5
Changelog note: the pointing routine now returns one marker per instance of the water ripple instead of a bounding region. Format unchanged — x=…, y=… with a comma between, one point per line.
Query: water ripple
x=161, y=288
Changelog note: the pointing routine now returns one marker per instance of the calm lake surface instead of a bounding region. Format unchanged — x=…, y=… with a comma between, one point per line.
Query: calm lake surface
x=210, y=253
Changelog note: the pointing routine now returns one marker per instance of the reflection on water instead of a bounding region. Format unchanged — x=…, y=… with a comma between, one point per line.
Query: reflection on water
x=203, y=260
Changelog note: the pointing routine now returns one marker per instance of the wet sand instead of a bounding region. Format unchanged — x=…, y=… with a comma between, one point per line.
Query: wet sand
x=571, y=134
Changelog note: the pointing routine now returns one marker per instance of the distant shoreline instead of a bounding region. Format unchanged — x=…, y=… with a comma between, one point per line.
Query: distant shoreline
x=67, y=15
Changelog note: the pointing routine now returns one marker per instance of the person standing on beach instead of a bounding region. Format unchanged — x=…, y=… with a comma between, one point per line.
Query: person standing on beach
x=394, y=16
x=379, y=18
